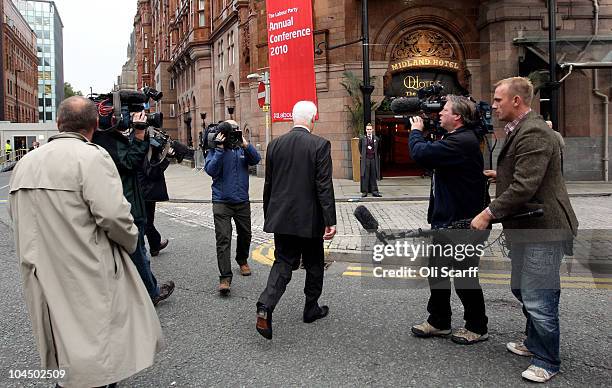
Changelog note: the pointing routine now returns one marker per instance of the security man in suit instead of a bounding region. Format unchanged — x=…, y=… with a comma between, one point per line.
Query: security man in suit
x=370, y=162
x=529, y=177
x=299, y=208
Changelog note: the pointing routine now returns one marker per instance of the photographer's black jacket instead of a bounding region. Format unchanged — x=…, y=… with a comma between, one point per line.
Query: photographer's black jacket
x=128, y=156
x=458, y=186
x=152, y=179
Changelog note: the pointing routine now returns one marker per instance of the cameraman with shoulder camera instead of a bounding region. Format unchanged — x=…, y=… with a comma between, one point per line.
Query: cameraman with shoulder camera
x=228, y=164
x=128, y=154
x=458, y=191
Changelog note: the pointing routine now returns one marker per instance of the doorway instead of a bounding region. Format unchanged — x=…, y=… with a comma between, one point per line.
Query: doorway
x=395, y=157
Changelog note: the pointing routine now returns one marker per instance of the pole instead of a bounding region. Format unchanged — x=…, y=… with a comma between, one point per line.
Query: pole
x=552, y=61
x=366, y=89
x=266, y=81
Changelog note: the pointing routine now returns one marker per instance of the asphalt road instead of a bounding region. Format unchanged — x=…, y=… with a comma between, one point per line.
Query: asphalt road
x=211, y=341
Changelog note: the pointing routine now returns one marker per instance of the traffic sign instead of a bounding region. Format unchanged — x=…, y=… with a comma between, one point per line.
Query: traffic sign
x=261, y=94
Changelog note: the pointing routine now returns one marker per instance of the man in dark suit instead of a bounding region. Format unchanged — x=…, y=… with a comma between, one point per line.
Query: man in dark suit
x=370, y=162
x=529, y=177
x=300, y=209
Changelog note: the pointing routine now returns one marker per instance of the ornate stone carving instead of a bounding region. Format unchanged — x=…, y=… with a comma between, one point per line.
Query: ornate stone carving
x=423, y=43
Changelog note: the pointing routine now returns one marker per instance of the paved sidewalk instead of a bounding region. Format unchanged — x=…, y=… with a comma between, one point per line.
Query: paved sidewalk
x=403, y=207
x=190, y=185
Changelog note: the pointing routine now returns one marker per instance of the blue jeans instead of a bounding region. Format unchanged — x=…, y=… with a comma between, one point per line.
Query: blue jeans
x=536, y=283
x=141, y=260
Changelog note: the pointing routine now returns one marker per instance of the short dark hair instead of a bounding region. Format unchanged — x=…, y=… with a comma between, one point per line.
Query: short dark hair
x=518, y=86
x=463, y=107
x=77, y=114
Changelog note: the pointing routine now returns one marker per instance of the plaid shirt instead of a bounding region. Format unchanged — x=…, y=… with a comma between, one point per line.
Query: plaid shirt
x=512, y=125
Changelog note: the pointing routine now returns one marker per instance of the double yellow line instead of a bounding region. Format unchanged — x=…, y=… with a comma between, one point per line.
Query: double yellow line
x=502, y=278
x=264, y=253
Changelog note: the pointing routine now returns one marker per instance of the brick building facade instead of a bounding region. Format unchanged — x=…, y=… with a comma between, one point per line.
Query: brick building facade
x=19, y=71
x=207, y=47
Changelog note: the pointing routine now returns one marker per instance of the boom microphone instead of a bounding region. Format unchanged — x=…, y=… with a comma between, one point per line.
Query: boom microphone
x=365, y=218
x=403, y=105
x=369, y=223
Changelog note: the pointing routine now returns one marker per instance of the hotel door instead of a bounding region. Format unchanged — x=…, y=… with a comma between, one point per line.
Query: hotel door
x=394, y=153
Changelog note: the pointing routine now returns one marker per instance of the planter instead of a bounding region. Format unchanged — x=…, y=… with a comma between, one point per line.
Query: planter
x=355, y=159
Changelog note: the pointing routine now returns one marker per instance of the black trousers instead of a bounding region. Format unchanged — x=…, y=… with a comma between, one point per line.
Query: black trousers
x=468, y=289
x=287, y=253
x=223, y=214
x=368, y=178
x=153, y=236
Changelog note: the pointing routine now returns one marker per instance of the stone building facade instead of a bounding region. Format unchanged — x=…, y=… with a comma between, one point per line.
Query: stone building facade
x=127, y=79
x=208, y=47
x=18, y=67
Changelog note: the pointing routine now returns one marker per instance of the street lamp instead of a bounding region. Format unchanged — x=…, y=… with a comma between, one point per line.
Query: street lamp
x=17, y=93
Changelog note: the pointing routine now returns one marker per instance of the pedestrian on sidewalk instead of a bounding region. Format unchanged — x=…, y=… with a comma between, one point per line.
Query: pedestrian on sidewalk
x=370, y=162
x=90, y=312
x=153, y=184
x=529, y=177
x=300, y=209
x=128, y=154
x=228, y=165
x=458, y=191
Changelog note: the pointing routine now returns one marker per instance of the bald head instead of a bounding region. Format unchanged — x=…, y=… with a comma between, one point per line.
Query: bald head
x=77, y=114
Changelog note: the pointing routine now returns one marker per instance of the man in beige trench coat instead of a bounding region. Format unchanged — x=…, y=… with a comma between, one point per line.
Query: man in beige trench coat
x=90, y=312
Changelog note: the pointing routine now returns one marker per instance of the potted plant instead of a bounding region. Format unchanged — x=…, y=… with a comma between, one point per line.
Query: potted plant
x=352, y=85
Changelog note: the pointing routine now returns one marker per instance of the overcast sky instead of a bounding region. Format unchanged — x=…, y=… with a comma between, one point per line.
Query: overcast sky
x=96, y=35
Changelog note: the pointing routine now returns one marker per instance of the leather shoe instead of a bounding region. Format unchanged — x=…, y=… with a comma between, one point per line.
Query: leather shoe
x=377, y=194
x=364, y=194
x=323, y=311
x=245, y=270
x=264, y=321
x=162, y=245
x=165, y=291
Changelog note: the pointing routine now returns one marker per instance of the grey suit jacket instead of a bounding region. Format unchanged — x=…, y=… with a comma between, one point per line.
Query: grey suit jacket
x=529, y=177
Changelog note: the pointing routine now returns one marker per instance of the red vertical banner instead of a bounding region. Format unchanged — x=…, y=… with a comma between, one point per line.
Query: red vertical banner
x=291, y=55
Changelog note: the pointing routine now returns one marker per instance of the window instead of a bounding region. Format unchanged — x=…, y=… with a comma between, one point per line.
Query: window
x=172, y=110
x=172, y=83
x=146, y=66
x=221, y=54
x=201, y=14
x=230, y=48
x=146, y=40
x=49, y=115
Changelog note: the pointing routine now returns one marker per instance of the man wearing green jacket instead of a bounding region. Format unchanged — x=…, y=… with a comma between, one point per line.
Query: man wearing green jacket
x=128, y=154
